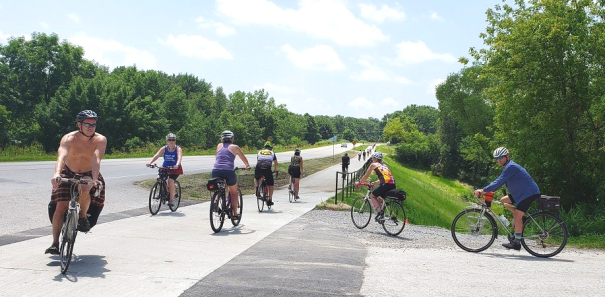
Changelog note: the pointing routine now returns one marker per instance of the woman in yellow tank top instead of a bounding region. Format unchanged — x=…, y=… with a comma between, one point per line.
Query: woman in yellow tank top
x=387, y=182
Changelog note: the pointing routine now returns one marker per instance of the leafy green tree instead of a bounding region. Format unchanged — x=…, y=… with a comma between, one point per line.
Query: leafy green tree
x=547, y=62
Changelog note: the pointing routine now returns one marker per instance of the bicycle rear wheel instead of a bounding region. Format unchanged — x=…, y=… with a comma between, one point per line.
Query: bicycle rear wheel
x=266, y=195
x=155, y=198
x=544, y=235
x=217, y=213
x=260, y=203
x=240, y=208
x=68, y=239
x=394, y=218
x=473, y=231
x=361, y=212
x=177, y=196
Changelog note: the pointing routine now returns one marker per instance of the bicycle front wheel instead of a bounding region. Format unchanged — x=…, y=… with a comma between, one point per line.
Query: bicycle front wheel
x=394, y=218
x=240, y=208
x=68, y=239
x=155, y=198
x=260, y=203
x=544, y=235
x=291, y=195
x=217, y=214
x=177, y=196
x=361, y=212
x=474, y=231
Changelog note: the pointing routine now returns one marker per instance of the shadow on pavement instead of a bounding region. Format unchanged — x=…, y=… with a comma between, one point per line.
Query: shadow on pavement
x=82, y=266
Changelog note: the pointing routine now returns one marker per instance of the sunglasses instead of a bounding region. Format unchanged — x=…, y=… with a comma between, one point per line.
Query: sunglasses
x=500, y=158
x=171, y=139
x=89, y=125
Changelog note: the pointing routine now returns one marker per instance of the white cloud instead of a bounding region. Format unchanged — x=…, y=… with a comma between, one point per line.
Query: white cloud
x=361, y=103
x=370, y=12
x=44, y=25
x=374, y=73
x=416, y=52
x=389, y=102
x=320, y=57
x=113, y=53
x=325, y=19
x=220, y=28
x=435, y=16
x=74, y=17
x=197, y=46
x=433, y=85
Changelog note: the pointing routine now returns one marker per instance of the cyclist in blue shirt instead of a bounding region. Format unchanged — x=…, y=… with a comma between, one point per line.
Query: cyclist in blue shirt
x=523, y=192
x=173, y=155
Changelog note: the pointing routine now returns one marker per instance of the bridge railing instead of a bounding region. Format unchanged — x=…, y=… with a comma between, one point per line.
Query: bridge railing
x=345, y=181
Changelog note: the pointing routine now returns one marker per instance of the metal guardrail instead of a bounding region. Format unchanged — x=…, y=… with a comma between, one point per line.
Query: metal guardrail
x=347, y=181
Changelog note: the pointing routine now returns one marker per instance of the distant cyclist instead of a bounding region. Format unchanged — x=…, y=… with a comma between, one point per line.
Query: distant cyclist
x=172, y=158
x=80, y=152
x=523, y=192
x=387, y=182
x=295, y=170
x=264, y=159
x=224, y=166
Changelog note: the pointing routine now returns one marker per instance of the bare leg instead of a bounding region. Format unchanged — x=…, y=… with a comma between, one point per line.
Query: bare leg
x=58, y=219
x=271, y=188
x=171, y=188
x=234, y=199
x=84, y=199
x=296, y=186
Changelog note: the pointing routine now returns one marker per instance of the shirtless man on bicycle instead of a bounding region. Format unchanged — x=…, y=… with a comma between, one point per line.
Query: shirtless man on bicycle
x=523, y=192
x=80, y=152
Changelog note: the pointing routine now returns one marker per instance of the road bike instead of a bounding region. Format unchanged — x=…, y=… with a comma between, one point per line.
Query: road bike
x=220, y=204
x=262, y=192
x=391, y=217
x=160, y=194
x=69, y=230
x=291, y=194
x=544, y=233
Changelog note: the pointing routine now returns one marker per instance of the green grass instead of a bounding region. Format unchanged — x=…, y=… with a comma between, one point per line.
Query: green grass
x=36, y=153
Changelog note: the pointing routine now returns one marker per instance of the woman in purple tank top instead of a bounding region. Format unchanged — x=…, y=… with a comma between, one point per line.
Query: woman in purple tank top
x=224, y=166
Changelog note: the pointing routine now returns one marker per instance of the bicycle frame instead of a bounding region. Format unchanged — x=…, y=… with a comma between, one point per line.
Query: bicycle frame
x=480, y=205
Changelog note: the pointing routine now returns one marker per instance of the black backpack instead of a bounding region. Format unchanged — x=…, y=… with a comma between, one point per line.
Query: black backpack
x=397, y=194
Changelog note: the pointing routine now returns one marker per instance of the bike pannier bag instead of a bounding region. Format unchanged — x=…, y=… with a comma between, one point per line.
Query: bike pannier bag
x=549, y=203
x=212, y=185
x=399, y=194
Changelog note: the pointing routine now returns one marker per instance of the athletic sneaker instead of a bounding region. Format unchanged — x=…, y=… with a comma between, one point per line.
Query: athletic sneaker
x=269, y=203
x=170, y=203
x=514, y=245
x=53, y=249
x=83, y=225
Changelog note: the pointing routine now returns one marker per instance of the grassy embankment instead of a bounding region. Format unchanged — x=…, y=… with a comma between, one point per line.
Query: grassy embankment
x=435, y=201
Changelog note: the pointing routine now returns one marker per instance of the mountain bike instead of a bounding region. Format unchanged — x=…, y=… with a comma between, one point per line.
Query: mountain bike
x=160, y=194
x=220, y=204
x=544, y=233
x=391, y=217
x=69, y=231
x=262, y=192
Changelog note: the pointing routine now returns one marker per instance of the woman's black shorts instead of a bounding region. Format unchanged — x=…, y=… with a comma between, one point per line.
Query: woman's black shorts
x=294, y=171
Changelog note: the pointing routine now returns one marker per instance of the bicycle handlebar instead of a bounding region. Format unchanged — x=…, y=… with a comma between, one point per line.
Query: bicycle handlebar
x=369, y=185
x=160, y=167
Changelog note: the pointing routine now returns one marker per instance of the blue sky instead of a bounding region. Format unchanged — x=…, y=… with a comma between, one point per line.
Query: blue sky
x=326, y=57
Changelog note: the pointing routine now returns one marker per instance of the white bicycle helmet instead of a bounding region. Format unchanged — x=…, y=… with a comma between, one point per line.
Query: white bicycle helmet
x=377, y=155
x=500, y=152
x=227, y=135
x=170, y=136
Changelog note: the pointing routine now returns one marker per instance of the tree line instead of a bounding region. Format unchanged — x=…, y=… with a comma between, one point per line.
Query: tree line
x=45, y=82
x=538, y=89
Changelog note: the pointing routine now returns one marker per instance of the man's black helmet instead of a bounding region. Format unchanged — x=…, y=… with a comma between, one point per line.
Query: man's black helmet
x=87, y=114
